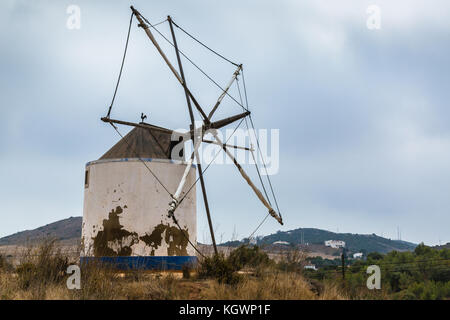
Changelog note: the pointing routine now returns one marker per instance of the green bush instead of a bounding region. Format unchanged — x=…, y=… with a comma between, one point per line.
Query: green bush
x=374, y=256
x=293, y=261
x=422, y=274
x=248, y=257
x=219, y=268
x=429, y=290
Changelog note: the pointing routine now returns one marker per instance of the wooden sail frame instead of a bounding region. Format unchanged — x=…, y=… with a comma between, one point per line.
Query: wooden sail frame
x=197, y=134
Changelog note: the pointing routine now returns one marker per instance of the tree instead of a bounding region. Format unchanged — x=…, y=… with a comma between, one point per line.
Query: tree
x=422, y=249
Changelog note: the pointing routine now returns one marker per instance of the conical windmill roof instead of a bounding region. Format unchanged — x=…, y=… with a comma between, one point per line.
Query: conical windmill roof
x=142, y=143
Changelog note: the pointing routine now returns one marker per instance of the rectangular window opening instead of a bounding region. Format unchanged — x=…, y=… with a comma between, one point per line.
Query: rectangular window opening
x=86, y=179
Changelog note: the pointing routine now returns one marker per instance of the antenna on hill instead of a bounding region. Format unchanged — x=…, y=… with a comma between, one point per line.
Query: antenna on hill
x=399, y=234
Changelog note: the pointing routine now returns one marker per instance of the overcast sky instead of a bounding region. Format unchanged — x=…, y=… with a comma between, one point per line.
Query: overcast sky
x=363, y=114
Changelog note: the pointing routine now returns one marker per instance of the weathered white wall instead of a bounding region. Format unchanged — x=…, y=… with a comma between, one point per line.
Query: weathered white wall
x=129, y=187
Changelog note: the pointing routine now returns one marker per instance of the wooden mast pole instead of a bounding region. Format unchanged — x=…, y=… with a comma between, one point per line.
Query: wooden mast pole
x=191, y=115
x=206, y=121
x=171, y=67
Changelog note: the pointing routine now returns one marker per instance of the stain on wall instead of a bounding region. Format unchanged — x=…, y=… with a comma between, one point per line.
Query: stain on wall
x=114, y=240
x=174, y=238
x=142, y=229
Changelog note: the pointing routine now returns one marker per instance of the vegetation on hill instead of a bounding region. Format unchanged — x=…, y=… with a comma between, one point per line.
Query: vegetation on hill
x=444, y=246
x=246, y=273
x=354, y=242
x=421, y=274
x=69, y=230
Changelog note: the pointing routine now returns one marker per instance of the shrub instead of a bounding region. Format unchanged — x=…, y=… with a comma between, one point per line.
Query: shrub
x=375, y=256
x=422, y=250
x=248, y=257
x=98, y=281
x=26, y=273
x=293, y=261
x=219, y=268
x=4, y=265
x=186, y=271
x=44, y=266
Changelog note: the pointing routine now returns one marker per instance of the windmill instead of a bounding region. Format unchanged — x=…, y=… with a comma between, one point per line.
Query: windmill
x=197, y=135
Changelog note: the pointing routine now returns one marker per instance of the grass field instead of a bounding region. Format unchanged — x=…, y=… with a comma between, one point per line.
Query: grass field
x=244, y=273
x=40, y=273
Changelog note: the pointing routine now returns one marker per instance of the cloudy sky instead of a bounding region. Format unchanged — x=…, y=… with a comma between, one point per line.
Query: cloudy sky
x=363, y=113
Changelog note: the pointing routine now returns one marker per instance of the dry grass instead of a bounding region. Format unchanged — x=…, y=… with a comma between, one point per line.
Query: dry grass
x=41, y=274
x=278, y=286
x=333, y=292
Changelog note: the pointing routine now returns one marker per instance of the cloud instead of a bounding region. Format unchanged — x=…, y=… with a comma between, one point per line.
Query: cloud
x=362, y=113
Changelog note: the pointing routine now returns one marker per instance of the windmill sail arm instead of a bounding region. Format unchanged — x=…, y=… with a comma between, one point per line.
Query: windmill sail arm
x=224, y=122
x=171, y=67
x=155, y=43
x=228, y=145
x=258, y=193
x=176, y=197
x=186, y=135
x=235, y=74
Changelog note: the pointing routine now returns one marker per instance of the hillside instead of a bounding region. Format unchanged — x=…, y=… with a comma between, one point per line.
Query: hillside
x=444, y=246
x=354, y=242
x=67, y=230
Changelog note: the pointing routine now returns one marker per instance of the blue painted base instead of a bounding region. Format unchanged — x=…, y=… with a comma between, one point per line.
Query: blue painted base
x=144, y=263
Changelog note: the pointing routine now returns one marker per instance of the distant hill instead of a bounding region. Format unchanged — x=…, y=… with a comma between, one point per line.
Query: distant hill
x=354, y=242
x=67, y=230
x=444, y=246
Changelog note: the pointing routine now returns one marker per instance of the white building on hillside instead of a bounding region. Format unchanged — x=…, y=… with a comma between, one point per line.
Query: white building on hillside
x=310, y=267
x=335, y=243
x=281, y=242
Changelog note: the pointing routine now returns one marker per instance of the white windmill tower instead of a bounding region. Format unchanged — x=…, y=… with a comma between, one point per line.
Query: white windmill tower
x=139, y=207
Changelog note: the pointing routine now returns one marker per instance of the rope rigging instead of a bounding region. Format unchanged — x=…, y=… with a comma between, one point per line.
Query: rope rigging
x=193, y=63
x=153, y=174
x=182, y=53
x=245, y=108
x=259, y=175
x=257, y=228
x=121, y=67
x=215, y=156
x=213, y=51
x=260, y=152
x=240, y=103
x=251, y=150
x=254, y=160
